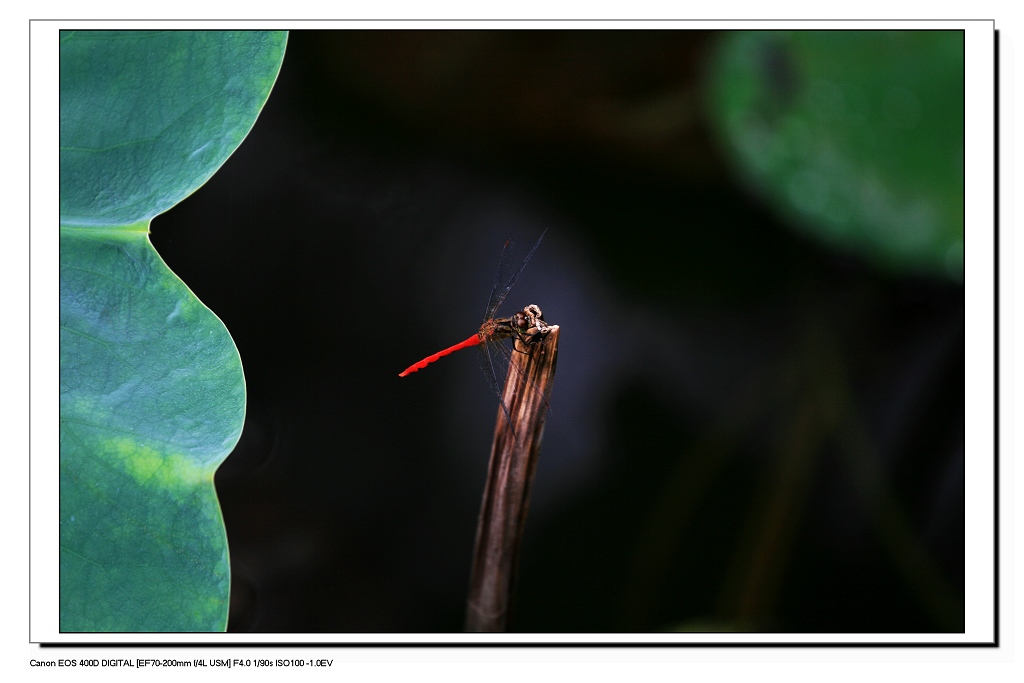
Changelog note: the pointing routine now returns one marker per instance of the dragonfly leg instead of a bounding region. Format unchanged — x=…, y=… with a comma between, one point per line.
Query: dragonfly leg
x=528, y=338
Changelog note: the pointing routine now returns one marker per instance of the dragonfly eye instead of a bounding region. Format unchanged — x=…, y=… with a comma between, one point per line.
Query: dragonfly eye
x=521, y=321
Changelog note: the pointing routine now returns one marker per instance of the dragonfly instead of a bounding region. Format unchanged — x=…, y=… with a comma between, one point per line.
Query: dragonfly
x=525, y=325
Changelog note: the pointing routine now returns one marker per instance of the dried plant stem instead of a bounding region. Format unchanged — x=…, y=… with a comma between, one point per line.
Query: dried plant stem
x=509, y=476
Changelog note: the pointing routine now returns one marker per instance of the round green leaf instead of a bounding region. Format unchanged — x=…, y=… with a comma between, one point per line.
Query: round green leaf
x=152, y=396
x=146, y=117
x=151, y=402
x=856, y=136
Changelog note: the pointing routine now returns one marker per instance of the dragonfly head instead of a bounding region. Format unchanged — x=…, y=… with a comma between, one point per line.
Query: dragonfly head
x=530, y=318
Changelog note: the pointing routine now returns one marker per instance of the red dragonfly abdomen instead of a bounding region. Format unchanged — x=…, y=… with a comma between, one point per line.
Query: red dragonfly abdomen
x=472, y=341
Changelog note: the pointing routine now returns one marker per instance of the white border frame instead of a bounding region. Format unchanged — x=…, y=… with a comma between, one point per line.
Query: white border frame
x=980, y=345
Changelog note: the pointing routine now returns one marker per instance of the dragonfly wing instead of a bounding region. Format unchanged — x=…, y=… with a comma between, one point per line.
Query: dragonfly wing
x=499, y=288
x=494, y=365
x=505, y=278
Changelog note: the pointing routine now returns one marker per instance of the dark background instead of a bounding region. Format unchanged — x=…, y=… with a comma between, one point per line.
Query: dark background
x=749, y=430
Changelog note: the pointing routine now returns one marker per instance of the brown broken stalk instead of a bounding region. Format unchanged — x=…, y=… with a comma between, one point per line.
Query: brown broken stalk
x=509, y=476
